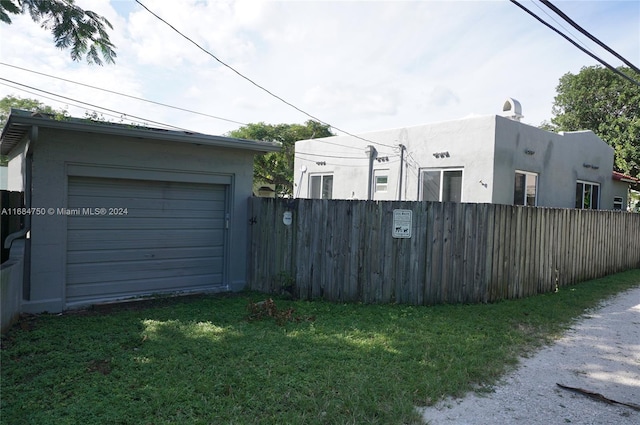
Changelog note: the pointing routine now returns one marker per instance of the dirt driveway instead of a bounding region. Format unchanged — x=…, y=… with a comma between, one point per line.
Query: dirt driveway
x=599, y=354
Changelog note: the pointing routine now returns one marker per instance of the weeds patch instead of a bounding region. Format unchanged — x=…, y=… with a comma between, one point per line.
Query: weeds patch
x=268, y=309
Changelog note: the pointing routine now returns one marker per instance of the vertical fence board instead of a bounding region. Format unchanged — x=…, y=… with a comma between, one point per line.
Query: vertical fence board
x=489, y=217
x=484, y=252
x=437, y=253
x=471, y=230
x=416, y=277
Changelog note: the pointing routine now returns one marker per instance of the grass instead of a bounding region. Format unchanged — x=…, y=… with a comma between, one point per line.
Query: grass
x=200, y=361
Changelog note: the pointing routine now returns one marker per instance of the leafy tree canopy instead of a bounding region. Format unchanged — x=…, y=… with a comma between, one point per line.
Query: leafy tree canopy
x=599, y=100
x=33, y=105
x=8, y=102
x=82, y=31
x=277, y=167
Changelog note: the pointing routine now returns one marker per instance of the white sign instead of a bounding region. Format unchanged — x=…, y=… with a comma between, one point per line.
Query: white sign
x=402, y=223
x=286, y=218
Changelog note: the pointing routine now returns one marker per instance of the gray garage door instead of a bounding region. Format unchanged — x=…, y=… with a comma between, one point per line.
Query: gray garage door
x=170, y=238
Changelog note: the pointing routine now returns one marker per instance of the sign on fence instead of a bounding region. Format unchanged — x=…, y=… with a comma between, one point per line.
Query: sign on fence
x=402, y=223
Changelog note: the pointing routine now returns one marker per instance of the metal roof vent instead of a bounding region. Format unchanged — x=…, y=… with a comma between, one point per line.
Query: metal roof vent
x=512, y=109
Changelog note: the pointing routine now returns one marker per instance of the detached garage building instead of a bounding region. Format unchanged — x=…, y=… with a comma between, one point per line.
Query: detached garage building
x=120, y=211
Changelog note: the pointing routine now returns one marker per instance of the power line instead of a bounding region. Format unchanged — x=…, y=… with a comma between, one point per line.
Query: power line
x=560, y=24
x=322, y=155
x=251, y=81
x=623, y=75
x=588, y=34
x=359, y=148
x=137, y=98
x=132, y=97
x=69, y=103
x=124, y=94
x=98, y=107
x=353, y=165
x=121, y=114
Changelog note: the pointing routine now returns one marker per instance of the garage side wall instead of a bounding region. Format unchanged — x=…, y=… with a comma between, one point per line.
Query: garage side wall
x=56, y=152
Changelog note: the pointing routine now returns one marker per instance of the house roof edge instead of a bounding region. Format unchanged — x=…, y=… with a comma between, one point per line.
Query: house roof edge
x=20, y=121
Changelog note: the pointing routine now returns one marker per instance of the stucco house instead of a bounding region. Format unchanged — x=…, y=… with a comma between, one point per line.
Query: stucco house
x=121, y=211
x=486, y=159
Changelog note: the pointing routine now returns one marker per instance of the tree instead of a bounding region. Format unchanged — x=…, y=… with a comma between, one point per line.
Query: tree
x=33, y=105
x=8, y=102
x=277, y=167
x=599, y=100
x=83, y=31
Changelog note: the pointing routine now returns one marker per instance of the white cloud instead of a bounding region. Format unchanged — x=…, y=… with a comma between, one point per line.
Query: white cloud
x=359, y=65
x=442, y=96
x=353, y=98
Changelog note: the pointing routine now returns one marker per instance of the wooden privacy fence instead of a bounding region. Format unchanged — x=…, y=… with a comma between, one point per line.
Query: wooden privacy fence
x=457, y=253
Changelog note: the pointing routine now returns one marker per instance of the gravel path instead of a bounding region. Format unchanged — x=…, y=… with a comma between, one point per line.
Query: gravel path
x=600, y=354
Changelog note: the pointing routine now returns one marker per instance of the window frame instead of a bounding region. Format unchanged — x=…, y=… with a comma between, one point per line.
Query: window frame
x=526, y=174
x=442, y=171
x=377, y=187
x=618, y=203
x=585, y=183
x=323, y=177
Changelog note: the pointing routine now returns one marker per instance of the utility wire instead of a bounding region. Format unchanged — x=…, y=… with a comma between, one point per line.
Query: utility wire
x=132, y=97
x=322, y=155
x=560, y=24
x=138, y=98
x=253, y=82
x=98, y=107
x=124, y=94
x=623, y=75
x=70, y=104
x=588, y=34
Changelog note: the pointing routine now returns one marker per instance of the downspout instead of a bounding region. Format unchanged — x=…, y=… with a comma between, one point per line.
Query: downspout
x=402, y=148
x=303, y=170
x=371, y=151
x=22, y=233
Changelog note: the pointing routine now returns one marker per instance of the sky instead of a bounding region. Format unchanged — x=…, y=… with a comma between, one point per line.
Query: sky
x=360, y=66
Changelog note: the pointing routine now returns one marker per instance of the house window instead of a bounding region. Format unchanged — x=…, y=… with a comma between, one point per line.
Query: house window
x=617, y=202
x=525, y=189
x=443, y=185
x=321, y=186
x=381, y=179
x=587, y=195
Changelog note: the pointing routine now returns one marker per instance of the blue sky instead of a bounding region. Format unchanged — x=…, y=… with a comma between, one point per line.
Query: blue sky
x=359, y=65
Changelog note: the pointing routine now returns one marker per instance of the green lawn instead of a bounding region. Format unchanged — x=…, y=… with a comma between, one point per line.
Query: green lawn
x=200, y=361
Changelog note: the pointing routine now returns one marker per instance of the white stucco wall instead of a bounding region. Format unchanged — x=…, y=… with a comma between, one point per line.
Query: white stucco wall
x=4, y=174
x=489, y=149
x=469, y=143
x=15, y=168
x=558, y=159
x=621, y=189
x=55, y=150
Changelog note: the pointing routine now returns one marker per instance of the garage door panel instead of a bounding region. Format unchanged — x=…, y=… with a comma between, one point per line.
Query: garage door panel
x=78, y=257
x=114, y=239
x=171, y=239
x=140, y=188
x=144, y=269
x=144, y=189
x=144, y=223
x=131, y=288
x=142, y=206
